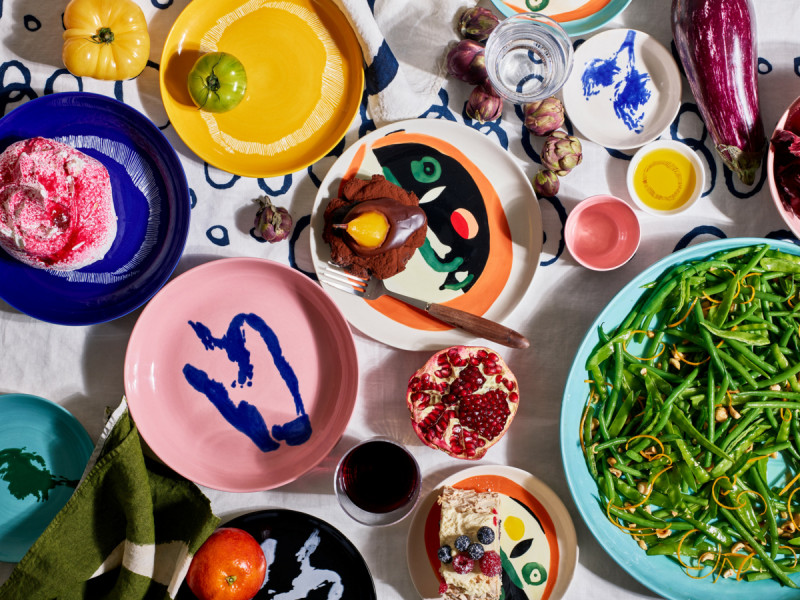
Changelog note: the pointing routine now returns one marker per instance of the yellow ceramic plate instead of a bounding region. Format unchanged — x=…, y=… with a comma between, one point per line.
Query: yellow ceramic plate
x=304, y=82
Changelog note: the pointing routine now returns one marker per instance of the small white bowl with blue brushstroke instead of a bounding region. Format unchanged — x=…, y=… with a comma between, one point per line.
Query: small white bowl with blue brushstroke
x=624, y=90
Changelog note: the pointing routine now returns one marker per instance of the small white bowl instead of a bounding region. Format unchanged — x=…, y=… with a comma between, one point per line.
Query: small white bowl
x=665, y=177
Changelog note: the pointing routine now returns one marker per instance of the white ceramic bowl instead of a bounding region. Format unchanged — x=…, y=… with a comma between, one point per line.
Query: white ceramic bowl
x=670, y=185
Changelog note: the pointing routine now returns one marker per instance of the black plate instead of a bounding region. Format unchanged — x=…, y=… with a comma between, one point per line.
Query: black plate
x=288, y=539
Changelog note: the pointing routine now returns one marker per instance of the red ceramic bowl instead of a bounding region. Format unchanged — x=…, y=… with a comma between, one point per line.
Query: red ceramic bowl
x=602, y=232
x=791, y=219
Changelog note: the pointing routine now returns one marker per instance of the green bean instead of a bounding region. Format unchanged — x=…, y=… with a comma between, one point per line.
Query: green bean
x=758, y=548
x=671, y=424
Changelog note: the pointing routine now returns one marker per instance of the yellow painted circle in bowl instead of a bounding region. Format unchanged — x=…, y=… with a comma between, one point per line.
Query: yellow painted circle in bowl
x=304, y=82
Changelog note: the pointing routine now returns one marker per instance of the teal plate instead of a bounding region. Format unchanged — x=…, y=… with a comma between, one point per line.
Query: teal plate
x=43, y=453
x=659, y=573
x=573, y=27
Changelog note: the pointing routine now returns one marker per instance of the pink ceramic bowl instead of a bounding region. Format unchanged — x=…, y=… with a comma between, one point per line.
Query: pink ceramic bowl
x=788, y=215
x=602, y=232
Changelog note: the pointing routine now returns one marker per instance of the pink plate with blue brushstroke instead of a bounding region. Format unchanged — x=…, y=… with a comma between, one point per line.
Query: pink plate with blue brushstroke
x=624, y=90
x=241, y=374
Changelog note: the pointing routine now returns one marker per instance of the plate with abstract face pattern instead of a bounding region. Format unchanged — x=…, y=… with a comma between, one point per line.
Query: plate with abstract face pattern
x=484, y=229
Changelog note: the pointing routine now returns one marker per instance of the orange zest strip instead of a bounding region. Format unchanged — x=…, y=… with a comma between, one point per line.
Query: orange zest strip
x=794, y=553
x=689, y=362
x=739, y=495
x=683, y=318
x=650, y=487
x=790, y=484
x=639, y=530
x=789, y=506
x=753, y=295
x=659, y=353
x=700, y=566
x=710, y=299
x=580, y=431
x=644, y=435
x=741, y=570
x=723, y=493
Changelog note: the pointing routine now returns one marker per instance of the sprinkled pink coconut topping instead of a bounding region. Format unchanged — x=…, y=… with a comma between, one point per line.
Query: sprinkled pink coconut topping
x=56, y=210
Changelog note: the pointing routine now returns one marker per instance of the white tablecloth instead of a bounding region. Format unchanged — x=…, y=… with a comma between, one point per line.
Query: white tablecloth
x=81, y=368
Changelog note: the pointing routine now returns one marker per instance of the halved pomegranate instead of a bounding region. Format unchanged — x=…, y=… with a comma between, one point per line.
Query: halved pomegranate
x=463, y=400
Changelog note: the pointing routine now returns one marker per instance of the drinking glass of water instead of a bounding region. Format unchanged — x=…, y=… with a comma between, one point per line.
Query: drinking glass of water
x=528, y=57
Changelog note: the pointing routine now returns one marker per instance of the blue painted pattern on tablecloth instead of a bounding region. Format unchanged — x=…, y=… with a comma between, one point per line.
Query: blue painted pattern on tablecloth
x=17, y=86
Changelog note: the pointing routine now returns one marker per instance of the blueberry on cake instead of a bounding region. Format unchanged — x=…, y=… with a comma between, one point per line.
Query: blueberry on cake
x=469, y=544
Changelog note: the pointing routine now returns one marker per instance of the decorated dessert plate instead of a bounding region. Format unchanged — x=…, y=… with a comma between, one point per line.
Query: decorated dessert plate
x=306, y=558
x=304, y=82
x=484, y=229
x=241, y=374
x=662, y=574
x=576, y=16
x=43, y=453
x=151, y=200
x=624, y=89
x=538, y=544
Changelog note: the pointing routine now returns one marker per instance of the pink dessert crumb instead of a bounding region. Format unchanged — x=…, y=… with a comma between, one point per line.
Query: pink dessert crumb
x=56, y=209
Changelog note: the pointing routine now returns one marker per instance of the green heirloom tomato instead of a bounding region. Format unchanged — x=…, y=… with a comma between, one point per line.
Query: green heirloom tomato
x=217, y=82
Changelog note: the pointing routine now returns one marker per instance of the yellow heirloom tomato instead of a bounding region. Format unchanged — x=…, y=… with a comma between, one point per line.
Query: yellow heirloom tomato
x=105, y=39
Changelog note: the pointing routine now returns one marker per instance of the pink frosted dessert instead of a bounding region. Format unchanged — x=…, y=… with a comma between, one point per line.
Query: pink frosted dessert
x=56, y=210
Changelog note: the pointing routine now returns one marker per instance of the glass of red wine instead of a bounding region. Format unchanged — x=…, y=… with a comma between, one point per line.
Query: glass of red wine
x=377, y=482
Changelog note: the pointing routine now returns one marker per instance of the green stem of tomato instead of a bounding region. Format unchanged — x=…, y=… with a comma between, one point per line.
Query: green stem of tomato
x=104, y=35
x=212, y=82
x=230, y=579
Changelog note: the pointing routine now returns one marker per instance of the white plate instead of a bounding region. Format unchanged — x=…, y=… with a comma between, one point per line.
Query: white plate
x=624, y=89
x=459, y=168
x=527, y=499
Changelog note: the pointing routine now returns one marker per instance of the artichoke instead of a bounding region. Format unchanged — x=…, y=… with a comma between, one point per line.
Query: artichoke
x=477, y=23
x=466, y=61
x=561, y=153
x=272, y=223
x=545, y=184
x=484, y=105
x=544, y=116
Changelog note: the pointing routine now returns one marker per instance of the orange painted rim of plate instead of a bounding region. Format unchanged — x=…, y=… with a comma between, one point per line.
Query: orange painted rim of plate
x=305, y=81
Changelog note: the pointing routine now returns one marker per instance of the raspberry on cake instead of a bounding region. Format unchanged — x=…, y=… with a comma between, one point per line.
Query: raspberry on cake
x=56, y=209
x=469, y=538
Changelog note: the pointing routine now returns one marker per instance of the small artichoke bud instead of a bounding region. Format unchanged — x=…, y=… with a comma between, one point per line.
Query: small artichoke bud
x=477, y=23
x=272, y=223
x=466, y=61
x=544, y=116
x=546, y=184
x=484, y=105
x=561, y=153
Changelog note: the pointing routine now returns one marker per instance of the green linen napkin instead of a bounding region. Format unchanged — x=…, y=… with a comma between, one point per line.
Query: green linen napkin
x=128, y=532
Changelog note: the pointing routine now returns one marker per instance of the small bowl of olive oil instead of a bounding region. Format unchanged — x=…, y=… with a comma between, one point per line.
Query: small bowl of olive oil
x=665, y=177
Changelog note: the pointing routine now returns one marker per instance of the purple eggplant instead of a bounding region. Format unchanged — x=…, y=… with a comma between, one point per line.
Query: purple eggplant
x=716, y=42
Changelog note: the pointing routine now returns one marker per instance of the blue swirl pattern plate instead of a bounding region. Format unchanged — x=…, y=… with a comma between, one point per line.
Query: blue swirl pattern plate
x=624, y=89
x=151, y=199
x=43, y=452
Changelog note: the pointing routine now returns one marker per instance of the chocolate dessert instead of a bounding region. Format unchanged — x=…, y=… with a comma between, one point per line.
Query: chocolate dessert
x=374, y=227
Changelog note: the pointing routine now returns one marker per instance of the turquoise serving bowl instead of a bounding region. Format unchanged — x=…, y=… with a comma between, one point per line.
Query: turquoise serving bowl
x=659, y=573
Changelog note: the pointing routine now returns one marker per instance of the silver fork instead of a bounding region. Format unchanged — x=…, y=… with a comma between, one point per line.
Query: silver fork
x=372, y=288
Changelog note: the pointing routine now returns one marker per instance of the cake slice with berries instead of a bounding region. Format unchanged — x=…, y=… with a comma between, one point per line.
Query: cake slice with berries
x=469, y=538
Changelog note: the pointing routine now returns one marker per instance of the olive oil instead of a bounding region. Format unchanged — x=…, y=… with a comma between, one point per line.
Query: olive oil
x=664, y=179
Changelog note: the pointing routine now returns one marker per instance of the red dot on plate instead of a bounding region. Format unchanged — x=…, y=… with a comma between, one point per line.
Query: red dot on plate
x=464, y=223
